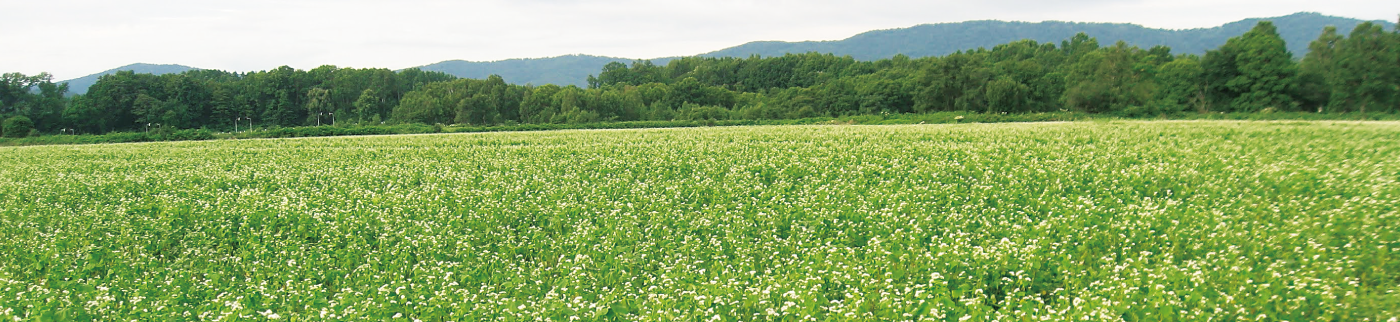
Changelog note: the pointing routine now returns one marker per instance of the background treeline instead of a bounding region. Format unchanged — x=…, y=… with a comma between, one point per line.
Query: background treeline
x=1251, y=73
x=212, y=99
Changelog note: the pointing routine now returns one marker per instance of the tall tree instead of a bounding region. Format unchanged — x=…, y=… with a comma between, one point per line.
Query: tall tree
x=1318, y=72
x=538, y=104
x=16, y=88
x=1367, y=71
x=1007, y=95
x=953, y=83
x=613, y=73
x=367, y=106
x=1265, y=70
x=1219, y=68
x=1181, y=85
x=319, y=107
x=1105, y=80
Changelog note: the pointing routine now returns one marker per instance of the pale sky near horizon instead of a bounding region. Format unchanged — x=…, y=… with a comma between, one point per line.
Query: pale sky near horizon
x=75, y=38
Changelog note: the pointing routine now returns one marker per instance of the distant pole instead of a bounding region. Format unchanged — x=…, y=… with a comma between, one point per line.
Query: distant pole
x=235, y=125
x=332, y=118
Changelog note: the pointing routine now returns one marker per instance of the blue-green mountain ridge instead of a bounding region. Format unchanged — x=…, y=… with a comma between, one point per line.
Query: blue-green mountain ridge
x=918, y=41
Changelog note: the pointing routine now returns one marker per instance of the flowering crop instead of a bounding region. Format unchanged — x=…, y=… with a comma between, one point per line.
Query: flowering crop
x=1136, y=221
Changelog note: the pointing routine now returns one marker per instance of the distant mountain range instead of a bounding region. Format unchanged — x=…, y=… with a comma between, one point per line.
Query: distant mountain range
x=562, y=70
x=80, y=85
x=1297, y=30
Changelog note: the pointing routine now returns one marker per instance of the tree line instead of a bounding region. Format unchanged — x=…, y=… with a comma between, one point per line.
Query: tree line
x=1254, y=72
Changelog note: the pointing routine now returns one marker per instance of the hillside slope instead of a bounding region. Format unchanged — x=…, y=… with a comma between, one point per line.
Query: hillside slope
x=941, y=39
x=80, y=85
x=918, y=41
x=562, y=70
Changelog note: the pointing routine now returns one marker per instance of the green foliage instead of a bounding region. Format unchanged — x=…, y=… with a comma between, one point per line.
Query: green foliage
x=318, y=106
x=189, y=135
x=125, y=101
x=692, y=112
x=1108, y=79
x=368, y=104
x=1367, y=71
x=914, y=42
x=17, y=127
x=1253, y=72
x=1318, y=73
x=562, y=70
x=316, y=131
x=34, y=97
x=80, y=85
x=15, y=88
x=1264, y=71
x=974, y=222
x=1182, y=86
x=946, y=38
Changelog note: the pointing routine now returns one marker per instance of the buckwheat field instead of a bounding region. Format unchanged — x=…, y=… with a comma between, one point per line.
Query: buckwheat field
x=1099, y=221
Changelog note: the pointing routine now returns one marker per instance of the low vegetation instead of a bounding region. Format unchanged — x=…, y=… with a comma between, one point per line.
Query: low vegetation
x=1139, y=221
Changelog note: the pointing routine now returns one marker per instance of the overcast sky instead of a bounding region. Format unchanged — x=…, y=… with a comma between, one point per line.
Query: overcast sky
x=71, y=39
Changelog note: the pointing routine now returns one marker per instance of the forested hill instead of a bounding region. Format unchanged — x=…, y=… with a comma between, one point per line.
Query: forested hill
x=945, y=38
x=80, y=85
x=919, y=41
x=561, y=70
x=924, y=41
x=1356, y=71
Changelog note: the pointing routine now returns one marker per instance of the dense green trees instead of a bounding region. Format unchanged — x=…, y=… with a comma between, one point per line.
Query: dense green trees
x=35, y=97
x=1367, y=70
x=283, y=96
x=16, y=127
x=1263, y=71
x=1108, y=79
x=1253, y=72
x=1181, y=86
x=462, y=101
x=1356, y=73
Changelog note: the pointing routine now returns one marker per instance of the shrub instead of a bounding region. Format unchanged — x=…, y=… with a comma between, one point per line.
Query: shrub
x=190, y=135
x=18, y=127
x=691, y=112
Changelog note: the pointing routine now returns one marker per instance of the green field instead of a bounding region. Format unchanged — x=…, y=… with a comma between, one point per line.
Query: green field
x=1139, y=221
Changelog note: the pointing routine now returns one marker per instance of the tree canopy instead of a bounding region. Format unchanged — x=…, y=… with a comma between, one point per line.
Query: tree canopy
x=1252, y=72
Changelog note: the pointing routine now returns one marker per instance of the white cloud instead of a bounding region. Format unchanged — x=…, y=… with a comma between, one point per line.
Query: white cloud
x=72, y=38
